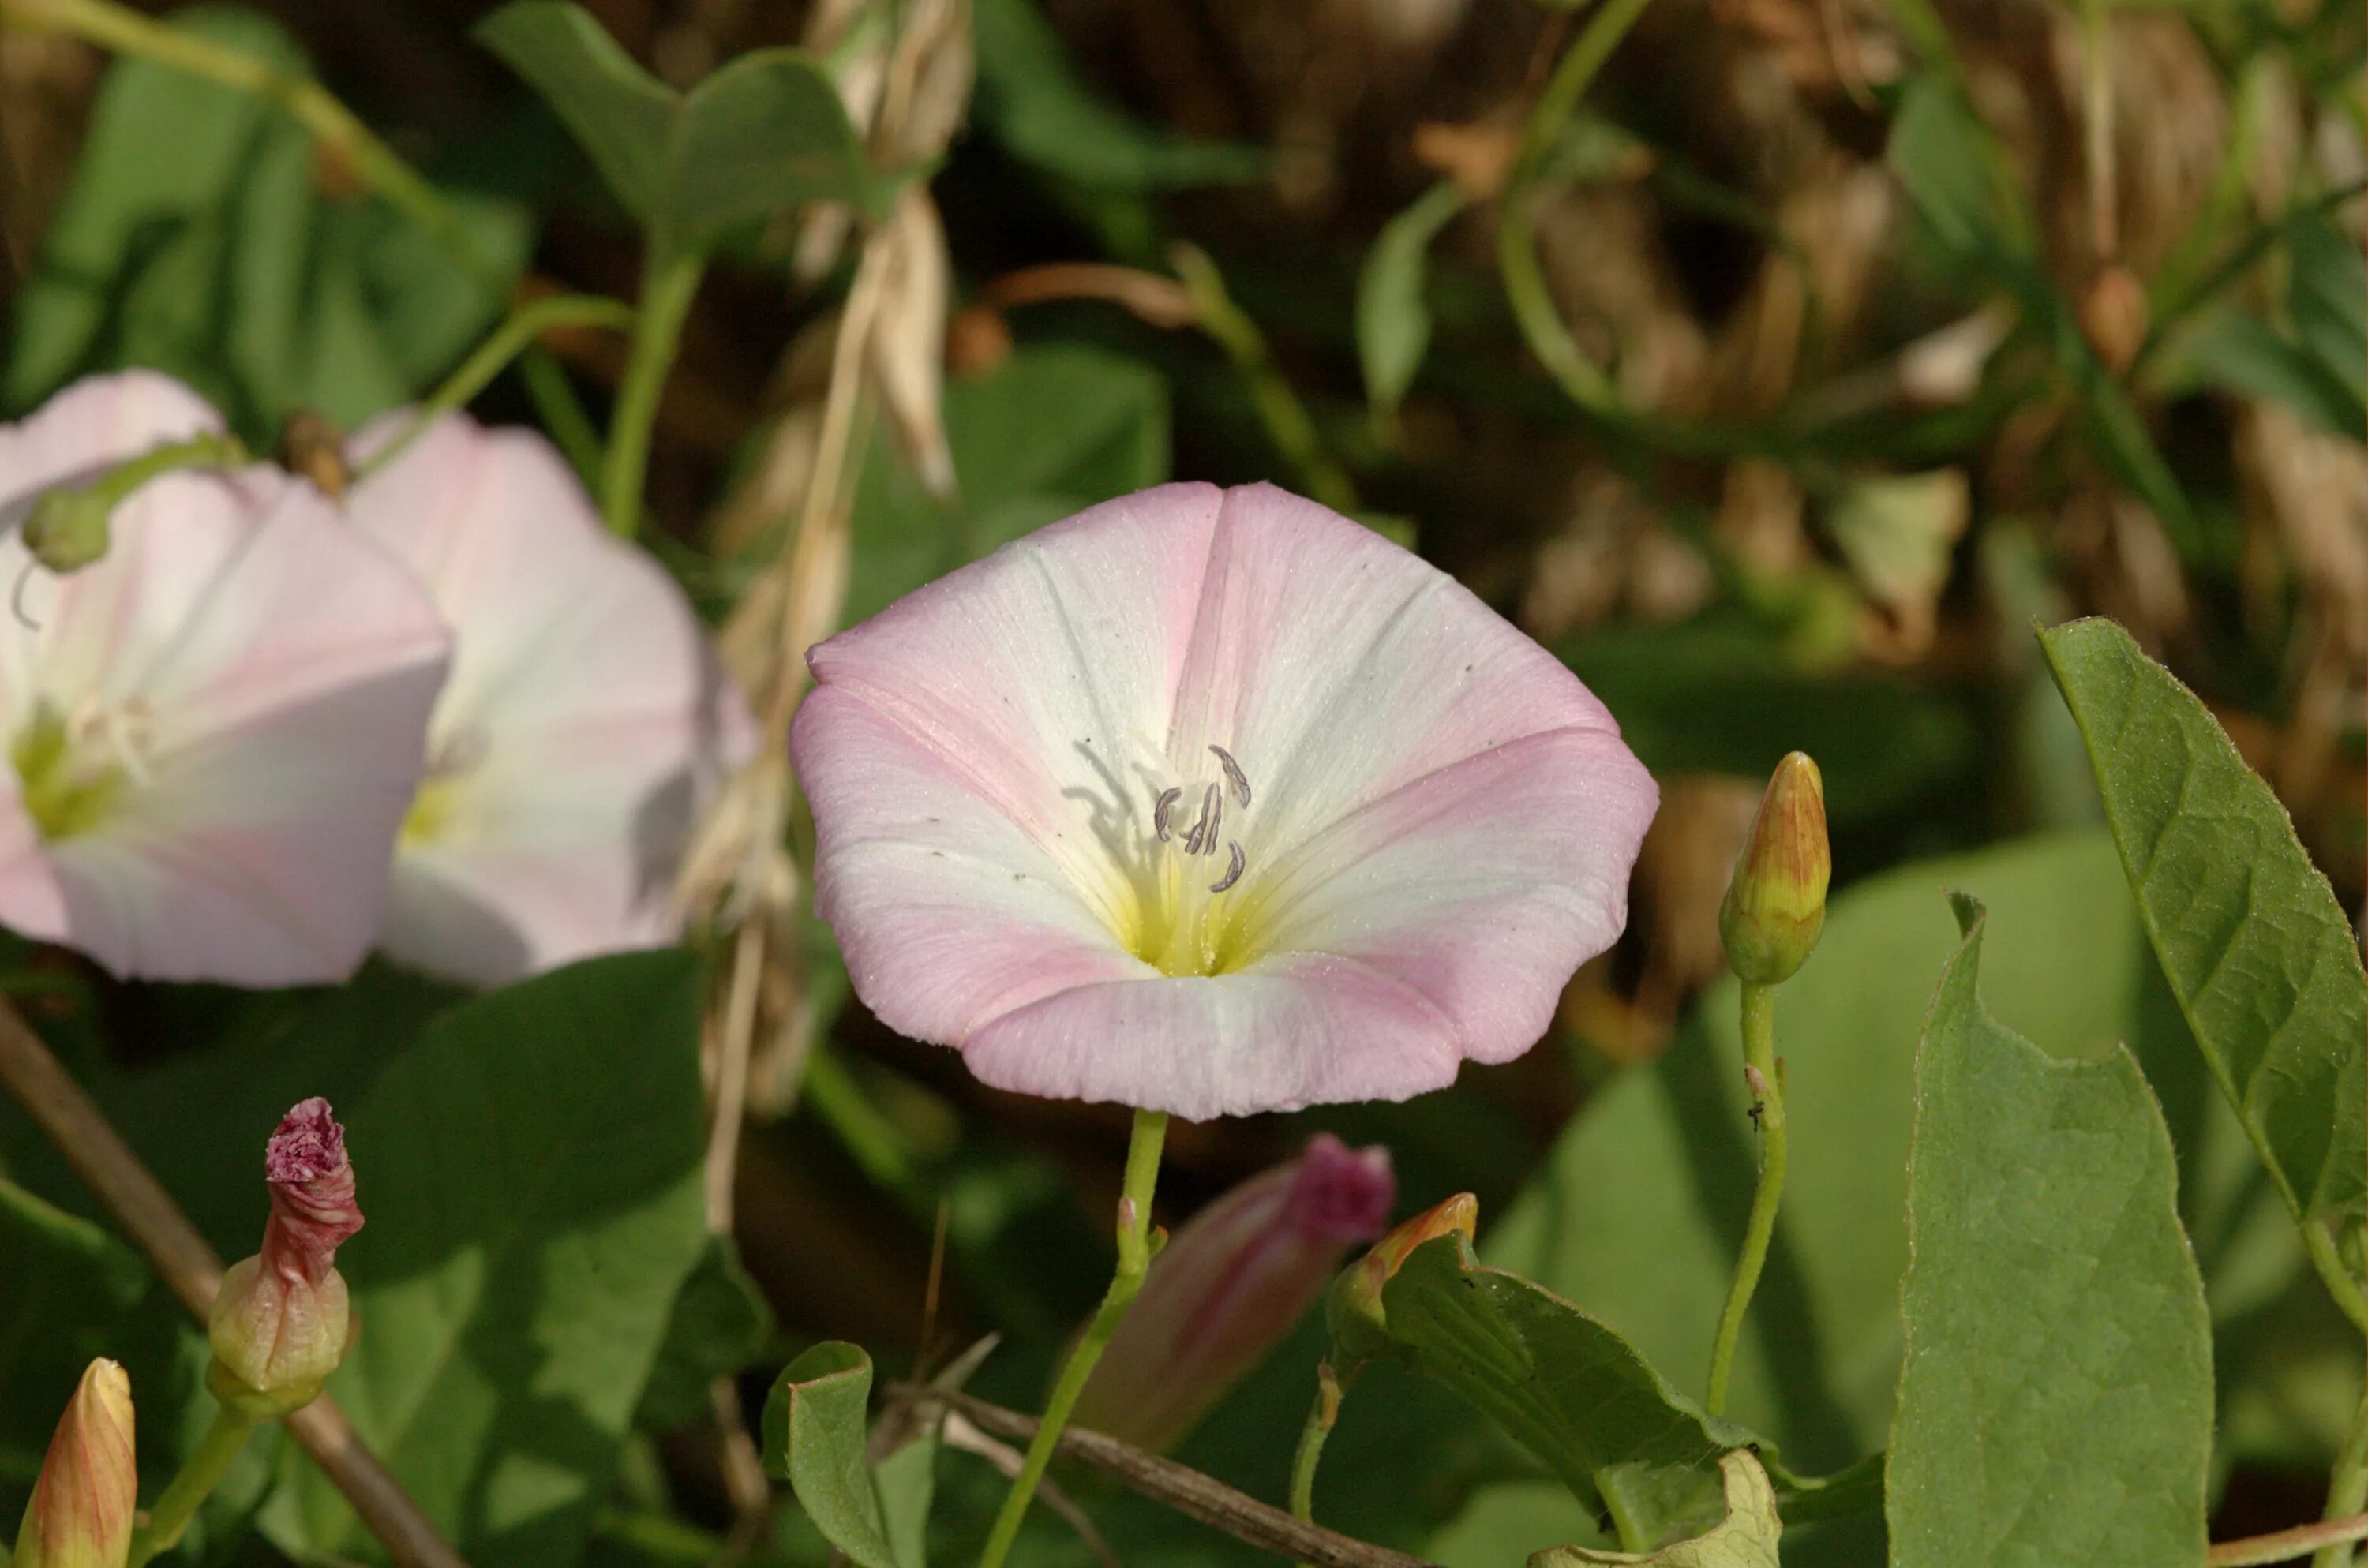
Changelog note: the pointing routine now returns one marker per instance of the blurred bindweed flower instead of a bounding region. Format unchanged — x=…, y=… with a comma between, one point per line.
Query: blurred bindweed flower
x=1230, y=1285
x=280, y=1321
x=585, y=723
x=80, y=1514
x=213, y=731
x=1213, y=802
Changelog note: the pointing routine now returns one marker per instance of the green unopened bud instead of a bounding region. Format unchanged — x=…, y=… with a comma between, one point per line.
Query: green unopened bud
x=81, y=1511
x=1353, y=1310
x=66, y=530
x=1775, y=907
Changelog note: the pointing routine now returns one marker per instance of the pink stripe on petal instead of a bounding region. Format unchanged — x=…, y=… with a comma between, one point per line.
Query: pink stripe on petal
x=1305, y=1029
x=947, y=913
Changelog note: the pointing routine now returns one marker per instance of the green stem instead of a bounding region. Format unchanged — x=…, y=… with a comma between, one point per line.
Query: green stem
x=1133, y=1259
x=126, y=32
x=1287, y=422
x=563, y=413
x=207, y=1465
x=870, y=1138
x=525, y=324
x=2320, y=1245
x=1768, y=1090
x=1516, y=253
x=2347, y=1484
x=669, y=281
x=1312, y=1436
x=207, y=451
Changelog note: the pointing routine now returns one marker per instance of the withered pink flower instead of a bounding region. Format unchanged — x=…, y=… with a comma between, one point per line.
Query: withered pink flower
x=1230, y=1285
x=586, y=722
x=213, y=731
x=82, y=1510
x=279, y=1325
x=1213, y=802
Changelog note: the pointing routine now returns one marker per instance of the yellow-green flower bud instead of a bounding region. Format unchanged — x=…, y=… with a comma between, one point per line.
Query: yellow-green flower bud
x=66, y=530
x=1775, y=907
x=81, y=1511
x=1353, y=1310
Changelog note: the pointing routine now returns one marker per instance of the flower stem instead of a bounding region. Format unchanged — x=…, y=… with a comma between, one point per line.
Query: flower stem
x=669, y=281
x=126, y=32
x=1321, y=1415
x=525, y=324
x=203, y=1471
x=2347, y=1485
x=1134, y=1260
x=1768, y=1096
x=2319, y=1242
x=1288, y=424
x=1517, y=256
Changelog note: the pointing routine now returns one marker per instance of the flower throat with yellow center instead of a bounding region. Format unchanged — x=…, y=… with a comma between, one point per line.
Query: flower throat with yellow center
x=1177, y=922
x=72, y=769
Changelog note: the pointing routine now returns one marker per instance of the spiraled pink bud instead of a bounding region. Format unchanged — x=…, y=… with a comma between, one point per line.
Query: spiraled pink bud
x=81, y=1511
x=1230, y=1285
x=312, y=1209
x=278, y=1326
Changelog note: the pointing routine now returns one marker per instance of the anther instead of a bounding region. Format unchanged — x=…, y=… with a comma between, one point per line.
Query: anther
x=1234, y=773
x=1233, y=867
x=1167, y=799
x=1202, y=839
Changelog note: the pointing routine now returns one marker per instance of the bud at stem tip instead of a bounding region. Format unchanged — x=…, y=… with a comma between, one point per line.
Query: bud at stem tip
x=1775, y=907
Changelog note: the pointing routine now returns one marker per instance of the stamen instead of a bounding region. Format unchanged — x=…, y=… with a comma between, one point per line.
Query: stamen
x=1202, y=839
x=1233, y=867
x=1234, y=773
x=1167, y=799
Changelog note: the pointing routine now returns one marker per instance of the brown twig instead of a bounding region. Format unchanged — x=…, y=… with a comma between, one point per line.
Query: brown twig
x=181, y=1258
x=2285, y=1546
x=1180, y=1487
x=1161, y=301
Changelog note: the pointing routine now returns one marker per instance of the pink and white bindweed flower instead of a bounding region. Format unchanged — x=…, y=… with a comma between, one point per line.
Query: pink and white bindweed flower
x=584, y=722
x=215, y=730
x=1230, y=1285
x=1211, y=801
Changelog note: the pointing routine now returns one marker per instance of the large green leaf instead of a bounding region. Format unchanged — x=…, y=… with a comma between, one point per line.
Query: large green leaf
x=1575, y=1394
x=763, y=134
x=2248, y=933
x=1056, y=428
x=1637, y=1216
x=620, y=114
x=1745, y=1539
x=2055, y=1403
x=720, y=1325
x=1031, y=100
x=815, y=1437
x=530, y=1170
x=1562, y=1384
x=196, y=237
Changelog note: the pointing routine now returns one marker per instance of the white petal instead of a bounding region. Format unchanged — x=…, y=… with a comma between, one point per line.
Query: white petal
x=585, y=719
